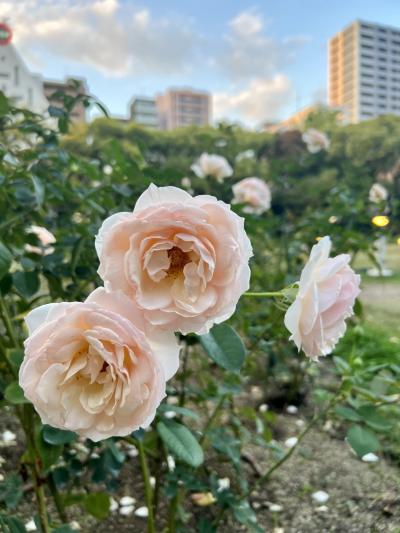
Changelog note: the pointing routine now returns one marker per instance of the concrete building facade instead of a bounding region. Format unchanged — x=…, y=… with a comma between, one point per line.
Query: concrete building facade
x=183, y=107
x=364, y=71
x=71, y=87
x=143, y=111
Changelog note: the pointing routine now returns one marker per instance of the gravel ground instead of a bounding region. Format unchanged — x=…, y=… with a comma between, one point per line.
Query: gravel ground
x=362, y=497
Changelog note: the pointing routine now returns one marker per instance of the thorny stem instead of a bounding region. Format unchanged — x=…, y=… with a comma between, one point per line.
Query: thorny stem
x=212, y=417
x=38, y=481
x=182, y=394
x=57, y=499
x=264, y=477
x=7, y=322
x=276, y=294
x=147, y=486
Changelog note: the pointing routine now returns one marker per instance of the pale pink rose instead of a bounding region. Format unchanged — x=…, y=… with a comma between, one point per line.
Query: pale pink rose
x=328, y=288
x=378, y=193
x=45, y=237
x=184, y=259
x=92, y=368
x=212, y=165
x=255, y=193
x=315, y=140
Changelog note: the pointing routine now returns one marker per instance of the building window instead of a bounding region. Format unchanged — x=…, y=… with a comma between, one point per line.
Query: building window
x=16, y=75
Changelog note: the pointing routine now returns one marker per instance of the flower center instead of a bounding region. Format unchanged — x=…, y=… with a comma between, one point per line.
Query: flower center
x=178, y=259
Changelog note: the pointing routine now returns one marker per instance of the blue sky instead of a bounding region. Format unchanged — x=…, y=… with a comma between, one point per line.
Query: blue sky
x=261, y=60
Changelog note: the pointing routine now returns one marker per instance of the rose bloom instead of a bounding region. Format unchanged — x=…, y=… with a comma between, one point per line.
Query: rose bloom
x=255, y=193
x=315, y=140
x=327, y=291
x=90, y=367
x=45, y=237
x=378, y=193
x=184, y=259
x=212, y=165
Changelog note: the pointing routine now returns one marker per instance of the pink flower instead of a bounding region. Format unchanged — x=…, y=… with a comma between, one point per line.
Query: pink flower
x=328, y=288
x=378, y=193
x=212, y=165
x=184, y=259
x=255, y=193
x=90, y=368
x=316, y=140
x=45, y=237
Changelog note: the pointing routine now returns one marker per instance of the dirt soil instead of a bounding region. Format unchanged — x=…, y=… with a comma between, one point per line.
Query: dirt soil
x=362, y=497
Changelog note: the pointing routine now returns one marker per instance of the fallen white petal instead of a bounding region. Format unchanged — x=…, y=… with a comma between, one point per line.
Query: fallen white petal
x=8, y=436
x=31, y=526
x=113, y=505
x=127, y=510
x=290, y=442
x=291, y=409
x=275, y=507
x=142, y=512
x=127, y=500
x=370, y=458
x=224, y=483
x=320, y=496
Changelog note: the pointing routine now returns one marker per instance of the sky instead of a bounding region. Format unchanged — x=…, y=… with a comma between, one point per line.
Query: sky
x=262, y=61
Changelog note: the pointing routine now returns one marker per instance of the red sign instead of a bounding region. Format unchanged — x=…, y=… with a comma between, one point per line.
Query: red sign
x=5, y=34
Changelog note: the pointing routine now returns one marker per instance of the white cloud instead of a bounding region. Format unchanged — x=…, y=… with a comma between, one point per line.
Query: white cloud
x=249, y=52
x=246, y=23
x=260, y=101
x=114, y=37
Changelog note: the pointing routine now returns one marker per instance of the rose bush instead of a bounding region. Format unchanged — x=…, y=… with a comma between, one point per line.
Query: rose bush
x=199, y=458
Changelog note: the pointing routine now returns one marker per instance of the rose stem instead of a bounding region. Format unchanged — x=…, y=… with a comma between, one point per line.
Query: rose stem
x=36, y=471
x=147, y=486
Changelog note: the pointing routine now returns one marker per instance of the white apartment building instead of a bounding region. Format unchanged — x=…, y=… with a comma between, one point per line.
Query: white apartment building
x=16, y=81
x=364, y=71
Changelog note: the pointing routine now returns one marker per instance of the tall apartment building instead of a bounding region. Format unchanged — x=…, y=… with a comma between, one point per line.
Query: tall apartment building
x=53, y=90
x=143, y=111
x=183, y=107
x=364, y=71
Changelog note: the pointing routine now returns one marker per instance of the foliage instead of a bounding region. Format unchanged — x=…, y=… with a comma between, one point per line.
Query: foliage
x=70, y=185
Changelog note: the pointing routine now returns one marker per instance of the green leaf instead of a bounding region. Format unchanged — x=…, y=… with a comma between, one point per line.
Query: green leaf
x=14, y=525
x=97, y=504
x=181, y=442
x=4, y=105
x=362, y=440
x=5, y=260
x=64, y=529
x=15, y=356
x=11, y=490
x=49, y=453
x=26, y=283
x=373, y=418
x=14, y=394
x=225, y=347
x=56, y=436
x=39, y=190
x=348, y=413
